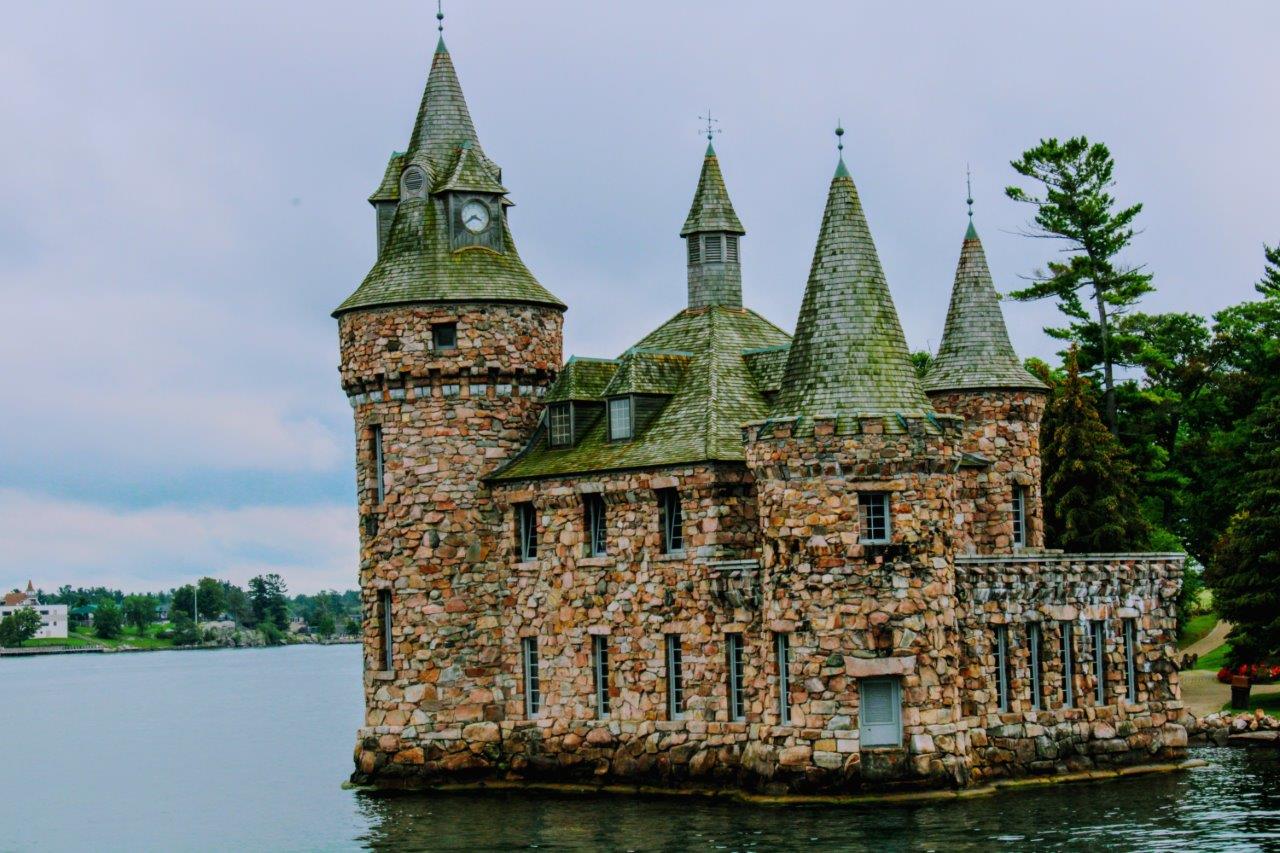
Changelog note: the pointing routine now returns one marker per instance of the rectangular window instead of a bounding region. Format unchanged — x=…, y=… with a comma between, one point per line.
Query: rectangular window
x=444, y=336
x=450, y=390
x=1068, y=686
x=532, y=688
x=695, y=248
x=384, y=616
x=1037, y=669
x=675, y=678
x=671, y=519
x=526, y=532
x=593, y=523
x=733, y=663
x=782, y=651
x=1019, y=516
x=731, y=248
x=873, y=514
x=560, y=416
x=620, y=419
x=713, y=248
x=880, y=715
x=477, y=390
x=1002, y=666
x=379, y=468
x=1099, y=661
x=600, y=661
x=1130, y=667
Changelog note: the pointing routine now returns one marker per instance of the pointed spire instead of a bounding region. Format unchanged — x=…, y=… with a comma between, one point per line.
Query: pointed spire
x=842, y=171
x=975, y=351
x=440, y=48
x=444, y=123
x=849, y=356
x=711, y=209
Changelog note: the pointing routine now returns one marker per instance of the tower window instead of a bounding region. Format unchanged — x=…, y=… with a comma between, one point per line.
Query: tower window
x=621, y=420
x=526, y=532
x=782, y=650
x=873, y=515
x=593, y=523
x=737, y=690
x=671, y=520
x=379, y=469
x=1002, y=666
x=695, y=248
x=444, y=336
x=560, y=416
x=731, y=248
x=412, y=182
x=1068, y=684
x=532, y=686
x=1099, y=661
x=1019, y=516
x=713, y=248
x=1131, y=671
x=675, y=678
x=1037, y=665
x=384, y=616
x=600, y=661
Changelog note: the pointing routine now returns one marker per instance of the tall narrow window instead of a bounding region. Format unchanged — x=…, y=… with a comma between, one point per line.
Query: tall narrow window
x=1037, y=666
x=733, y=663
x=671, y=520
x=782, y=651
x=444, y=336
x=1099, y=661
x=1020, y=516
x=532, y=688
x=379, y=467
x=560, y=418
x=873, y=515
x=620, y=420
x=600, y=662
x=526, y=531
x=593, y=523
x=1130, y=666
x=1068, y=686
x=675, y=678
x=384, y=616
x=713, y=248
x=880, y=712
x=1002, y=666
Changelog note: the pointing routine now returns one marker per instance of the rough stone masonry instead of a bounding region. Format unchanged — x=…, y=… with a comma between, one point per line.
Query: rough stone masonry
x=730, y=557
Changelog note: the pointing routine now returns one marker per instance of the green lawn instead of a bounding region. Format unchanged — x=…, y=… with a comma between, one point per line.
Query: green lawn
x=57, y=642
x=1196, y=629
x=85, y=637
x=1268, y=702
x=1214, y=660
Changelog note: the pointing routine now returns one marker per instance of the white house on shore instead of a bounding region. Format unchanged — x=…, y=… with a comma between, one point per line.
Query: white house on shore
x=53, y=617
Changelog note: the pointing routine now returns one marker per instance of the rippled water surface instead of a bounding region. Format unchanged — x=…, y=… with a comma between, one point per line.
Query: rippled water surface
x=245, y=750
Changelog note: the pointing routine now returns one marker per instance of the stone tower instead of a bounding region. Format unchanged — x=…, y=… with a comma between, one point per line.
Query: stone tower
x=978, y=377
x=711, y=234
x=447, y=347
x=853, y=477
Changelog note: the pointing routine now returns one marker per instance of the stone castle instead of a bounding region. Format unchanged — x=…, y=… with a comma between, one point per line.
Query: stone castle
x=730, y=557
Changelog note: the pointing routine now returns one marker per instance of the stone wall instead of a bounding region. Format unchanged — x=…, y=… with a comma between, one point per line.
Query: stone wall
x=1002, y=428
x=1048, y=590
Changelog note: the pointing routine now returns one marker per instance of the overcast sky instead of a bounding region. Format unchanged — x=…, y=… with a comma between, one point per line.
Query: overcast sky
x=182, y=203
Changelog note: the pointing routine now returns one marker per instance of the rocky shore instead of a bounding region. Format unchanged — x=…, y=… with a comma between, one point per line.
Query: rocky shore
x=1243, y=728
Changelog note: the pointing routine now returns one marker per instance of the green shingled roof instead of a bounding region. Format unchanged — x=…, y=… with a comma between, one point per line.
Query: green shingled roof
x=582, y=379
x=711, y=209
x=714, y=395
x=648, y=372
x=767, y=366
x=849, y=356
x=417, y=263
x=975, y=350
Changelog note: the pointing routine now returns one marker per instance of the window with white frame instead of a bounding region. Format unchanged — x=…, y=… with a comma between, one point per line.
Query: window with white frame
x=1130, y=666
x=1020, y=516
x=675, y=678
x=560, y=416
x=1068, y=665
x=1037, y=665
x=1002, y=666
x=600, y=664
x=873, y=517
x=671, y=520
x=593, y=522
x=526, y=519
x=1099, y=631
x=880, y=712
x=736, y=686
x=782, y=651
x=379, y=468
x=621, y=419
x=532, y=687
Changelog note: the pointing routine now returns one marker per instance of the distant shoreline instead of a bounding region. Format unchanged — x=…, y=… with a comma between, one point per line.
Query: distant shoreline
x=38, y=651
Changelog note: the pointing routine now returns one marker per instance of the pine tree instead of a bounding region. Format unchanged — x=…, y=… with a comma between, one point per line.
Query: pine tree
x=1245, y=571
x=1089, y=496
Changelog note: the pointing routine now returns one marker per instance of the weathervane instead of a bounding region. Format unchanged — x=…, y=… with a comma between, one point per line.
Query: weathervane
x=712, y=130
x=440, y=16
x=968, y=191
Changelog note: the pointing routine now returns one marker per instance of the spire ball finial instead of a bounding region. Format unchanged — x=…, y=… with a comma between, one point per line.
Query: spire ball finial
x=968, y=190
x=840, y=136
x=440, y=16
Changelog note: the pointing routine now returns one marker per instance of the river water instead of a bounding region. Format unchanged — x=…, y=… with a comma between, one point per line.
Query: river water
x=246, y=750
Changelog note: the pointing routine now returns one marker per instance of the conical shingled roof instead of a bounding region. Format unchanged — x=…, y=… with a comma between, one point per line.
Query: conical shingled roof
x=849, y=355
x=417, y=263
x=975, y=350
x=711, y=209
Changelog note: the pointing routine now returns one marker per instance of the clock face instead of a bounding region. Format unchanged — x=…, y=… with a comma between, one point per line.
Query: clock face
x=475, y=216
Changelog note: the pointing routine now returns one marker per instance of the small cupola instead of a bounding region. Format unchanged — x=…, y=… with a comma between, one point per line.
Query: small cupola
x=711, y=232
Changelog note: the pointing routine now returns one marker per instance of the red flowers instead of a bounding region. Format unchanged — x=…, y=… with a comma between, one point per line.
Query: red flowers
x=1256, y=673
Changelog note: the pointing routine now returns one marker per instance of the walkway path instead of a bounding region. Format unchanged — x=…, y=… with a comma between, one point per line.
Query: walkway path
x=1209, y=641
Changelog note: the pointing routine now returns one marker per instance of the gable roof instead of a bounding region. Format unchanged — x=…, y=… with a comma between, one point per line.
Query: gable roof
x=975, y=350
x=697, y=359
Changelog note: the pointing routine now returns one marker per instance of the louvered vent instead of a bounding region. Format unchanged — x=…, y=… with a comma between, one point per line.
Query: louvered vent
x=695, y=248
x=714, y=248
x=414, y=180
x=731, y=249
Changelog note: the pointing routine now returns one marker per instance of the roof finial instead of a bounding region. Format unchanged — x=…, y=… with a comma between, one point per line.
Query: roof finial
x=440, y=17
x=968, y=190
x=712, y=130
x=842, y=171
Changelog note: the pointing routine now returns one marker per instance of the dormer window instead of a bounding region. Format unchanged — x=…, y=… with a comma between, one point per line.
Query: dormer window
x=444, y=336
x=621, y=419
x=560, y=422
x=413, y=183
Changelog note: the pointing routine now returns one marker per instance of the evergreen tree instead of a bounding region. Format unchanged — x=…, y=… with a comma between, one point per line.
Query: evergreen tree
x=1077, y=209
x=108, y=619
x=267, y=595
x=1245, y=571
x=1089, y=498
